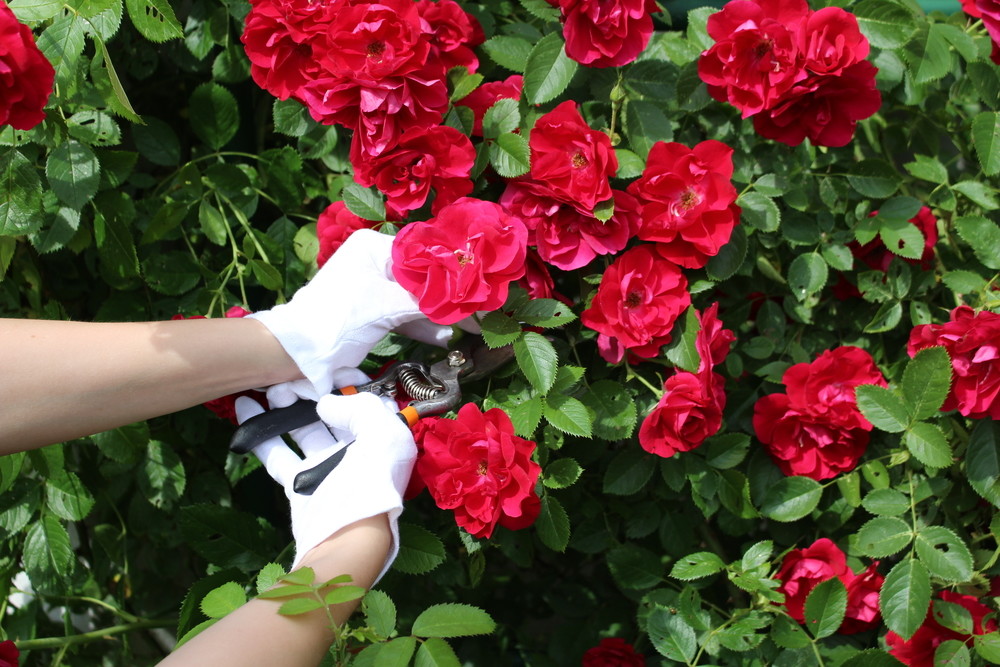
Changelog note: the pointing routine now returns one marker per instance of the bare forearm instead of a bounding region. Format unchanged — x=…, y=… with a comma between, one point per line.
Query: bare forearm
x=60, y=380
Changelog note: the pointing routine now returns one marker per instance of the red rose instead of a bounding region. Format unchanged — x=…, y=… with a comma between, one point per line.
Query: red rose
x=973, y=342
x=26, y=76
x=816, y=429
x=569, y=161
x=9, y=654
x=918, y=650
x=486, y=95
x=688, y=200
x=689, y=411
x=969, y=7
x=636, y=305
x=712, y=342
x=602, y=33
x=283, y=40
x=476, y=466
x=565, y=237
x=862, y=602
x=461, y=261
x=989, y=11
x=333, y=226
x=876, y=256
x=823, y=108
x=453, y=33
x=437, y=157
x=802, y=569
x=756, y=57
x=832, y=41
x=612, y=652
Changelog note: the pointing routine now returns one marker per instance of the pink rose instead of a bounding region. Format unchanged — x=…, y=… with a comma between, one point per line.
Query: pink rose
x=333, y=226
x=639, y=299
x=606, y=33
x=462, y=261
x=973, y=342
x=486, y=95
x=26, y=76
x=689, y=412
x=688, y=200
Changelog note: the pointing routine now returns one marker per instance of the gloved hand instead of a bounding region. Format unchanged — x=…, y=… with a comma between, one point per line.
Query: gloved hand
x=370, y=479
x=353, y=302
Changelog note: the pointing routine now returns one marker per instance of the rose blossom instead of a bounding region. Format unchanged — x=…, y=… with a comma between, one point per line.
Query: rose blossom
x=26, y=76
x=756, y=56
x=862, y=602
x=689, y=411
x=333, y=226
x=973, y=342
x=570, y=162
x=989, y=11
x=453, y=33
x=436, y=157
x=461, y=261
x=815, y=429
x=832, y=41
x=712, y=341
x=283, y=40
x=636, y=305
x=486, y=95
x=606, y=33
x=918, y=650
x=688, y=200
x=476, y=466
x=9, y=654
x=612, y=652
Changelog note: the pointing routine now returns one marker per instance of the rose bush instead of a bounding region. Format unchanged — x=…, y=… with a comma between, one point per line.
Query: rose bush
x=746, y=257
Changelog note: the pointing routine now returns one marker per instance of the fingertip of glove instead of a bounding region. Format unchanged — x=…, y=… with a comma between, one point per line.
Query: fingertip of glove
x=246, y=408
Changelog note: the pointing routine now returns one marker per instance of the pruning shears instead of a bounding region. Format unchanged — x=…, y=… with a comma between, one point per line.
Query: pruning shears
x=425, y=389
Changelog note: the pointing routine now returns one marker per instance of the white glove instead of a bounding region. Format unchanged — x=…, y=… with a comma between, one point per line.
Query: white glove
x=350, y=305
x=370, y=479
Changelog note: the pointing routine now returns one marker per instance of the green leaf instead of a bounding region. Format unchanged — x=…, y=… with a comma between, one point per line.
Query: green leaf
x=525, y=416
x=509, y=52
x=672, y=637
x=215, y=117
x=436, y=652
x=882, y=407
x=558, y=474
x=94, y=127
x=290, y=118
x=157, y=142
x=646, y=124
x=825, y=607
x=173, y=272
x=380, y=612
x=268, y=276
x=67, y=496
x=227, y=537
x=510, y=155
x=35, y=10
x=22, y=212
x=682, y=351
x=342, y=594
x=223, y=600
x=988, y=647
x=47, y=548
x=615, y=414
x=902, y=238
x=757, y=555
x=537, y=359
x=951, y=653
x=155, y=19
x=726, y=451
x=944, y=553
x=953, y=616
x=927, y=54
x=696, y=566
x=905, y=597
x=807, y=274
x=268, y=577
x=983, y=236
x=926, y=381
x=982, y=460
x=552, y=524
x=503, y=117
x=548, y=70
x=926, y=168
x=886, y=502
x=788, y=634
x=872, y=658
x=568, y=415
x=886, y=25
x=62, y=44
x=302, y=576
x=298, y=606
x=545, y=313
x=928, y=445
x=986, y=139
x=628, y=472
x=453, y=620
x=286, y=590
x=883, y=536
x=791, y=498
x=420, y=550
x=499, y=329
x=874, y=178
x=759, y=211
x=119, y=260
x=978, y=193
x=634, y=567
x=363, y=202
x=73, y=173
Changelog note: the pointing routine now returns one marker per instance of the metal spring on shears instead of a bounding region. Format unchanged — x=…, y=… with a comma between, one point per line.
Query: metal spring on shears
x=417, y=386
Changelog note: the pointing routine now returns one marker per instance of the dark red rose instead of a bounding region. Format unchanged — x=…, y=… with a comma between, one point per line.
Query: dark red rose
x=606, y=33
x=816, y=429
x=612, y=652
x=26, y=76
x=824, y=109
x=876, y=256
x=756, y=57
x=486, y=95
x=461, y=261
x=802, y=569
x=973, y=342
x=862, y=602
x=688, y=200
x=565, y=237
x=453, y=33
x=436, y=157
x=689, y=412
x=918, y=650
x=832, y=41
x=569, y=161
x=9, y=654
x=636, y=305
x=475, y=466
x=333, y=226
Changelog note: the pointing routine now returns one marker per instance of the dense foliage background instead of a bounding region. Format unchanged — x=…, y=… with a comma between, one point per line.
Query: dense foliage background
x=164, y=181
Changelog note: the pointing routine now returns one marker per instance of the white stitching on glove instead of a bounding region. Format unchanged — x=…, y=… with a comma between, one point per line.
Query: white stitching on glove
x=370, y=480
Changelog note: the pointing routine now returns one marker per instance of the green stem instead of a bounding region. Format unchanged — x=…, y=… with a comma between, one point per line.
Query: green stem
x=104, y=633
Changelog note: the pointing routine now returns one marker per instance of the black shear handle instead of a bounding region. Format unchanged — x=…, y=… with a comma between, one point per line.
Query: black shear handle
x=272, y=424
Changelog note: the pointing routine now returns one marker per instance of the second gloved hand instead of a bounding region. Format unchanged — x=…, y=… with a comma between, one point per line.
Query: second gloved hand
x=370, y=479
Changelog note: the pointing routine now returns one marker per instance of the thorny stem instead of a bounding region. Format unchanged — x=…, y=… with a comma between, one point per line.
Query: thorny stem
x=103, y=633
